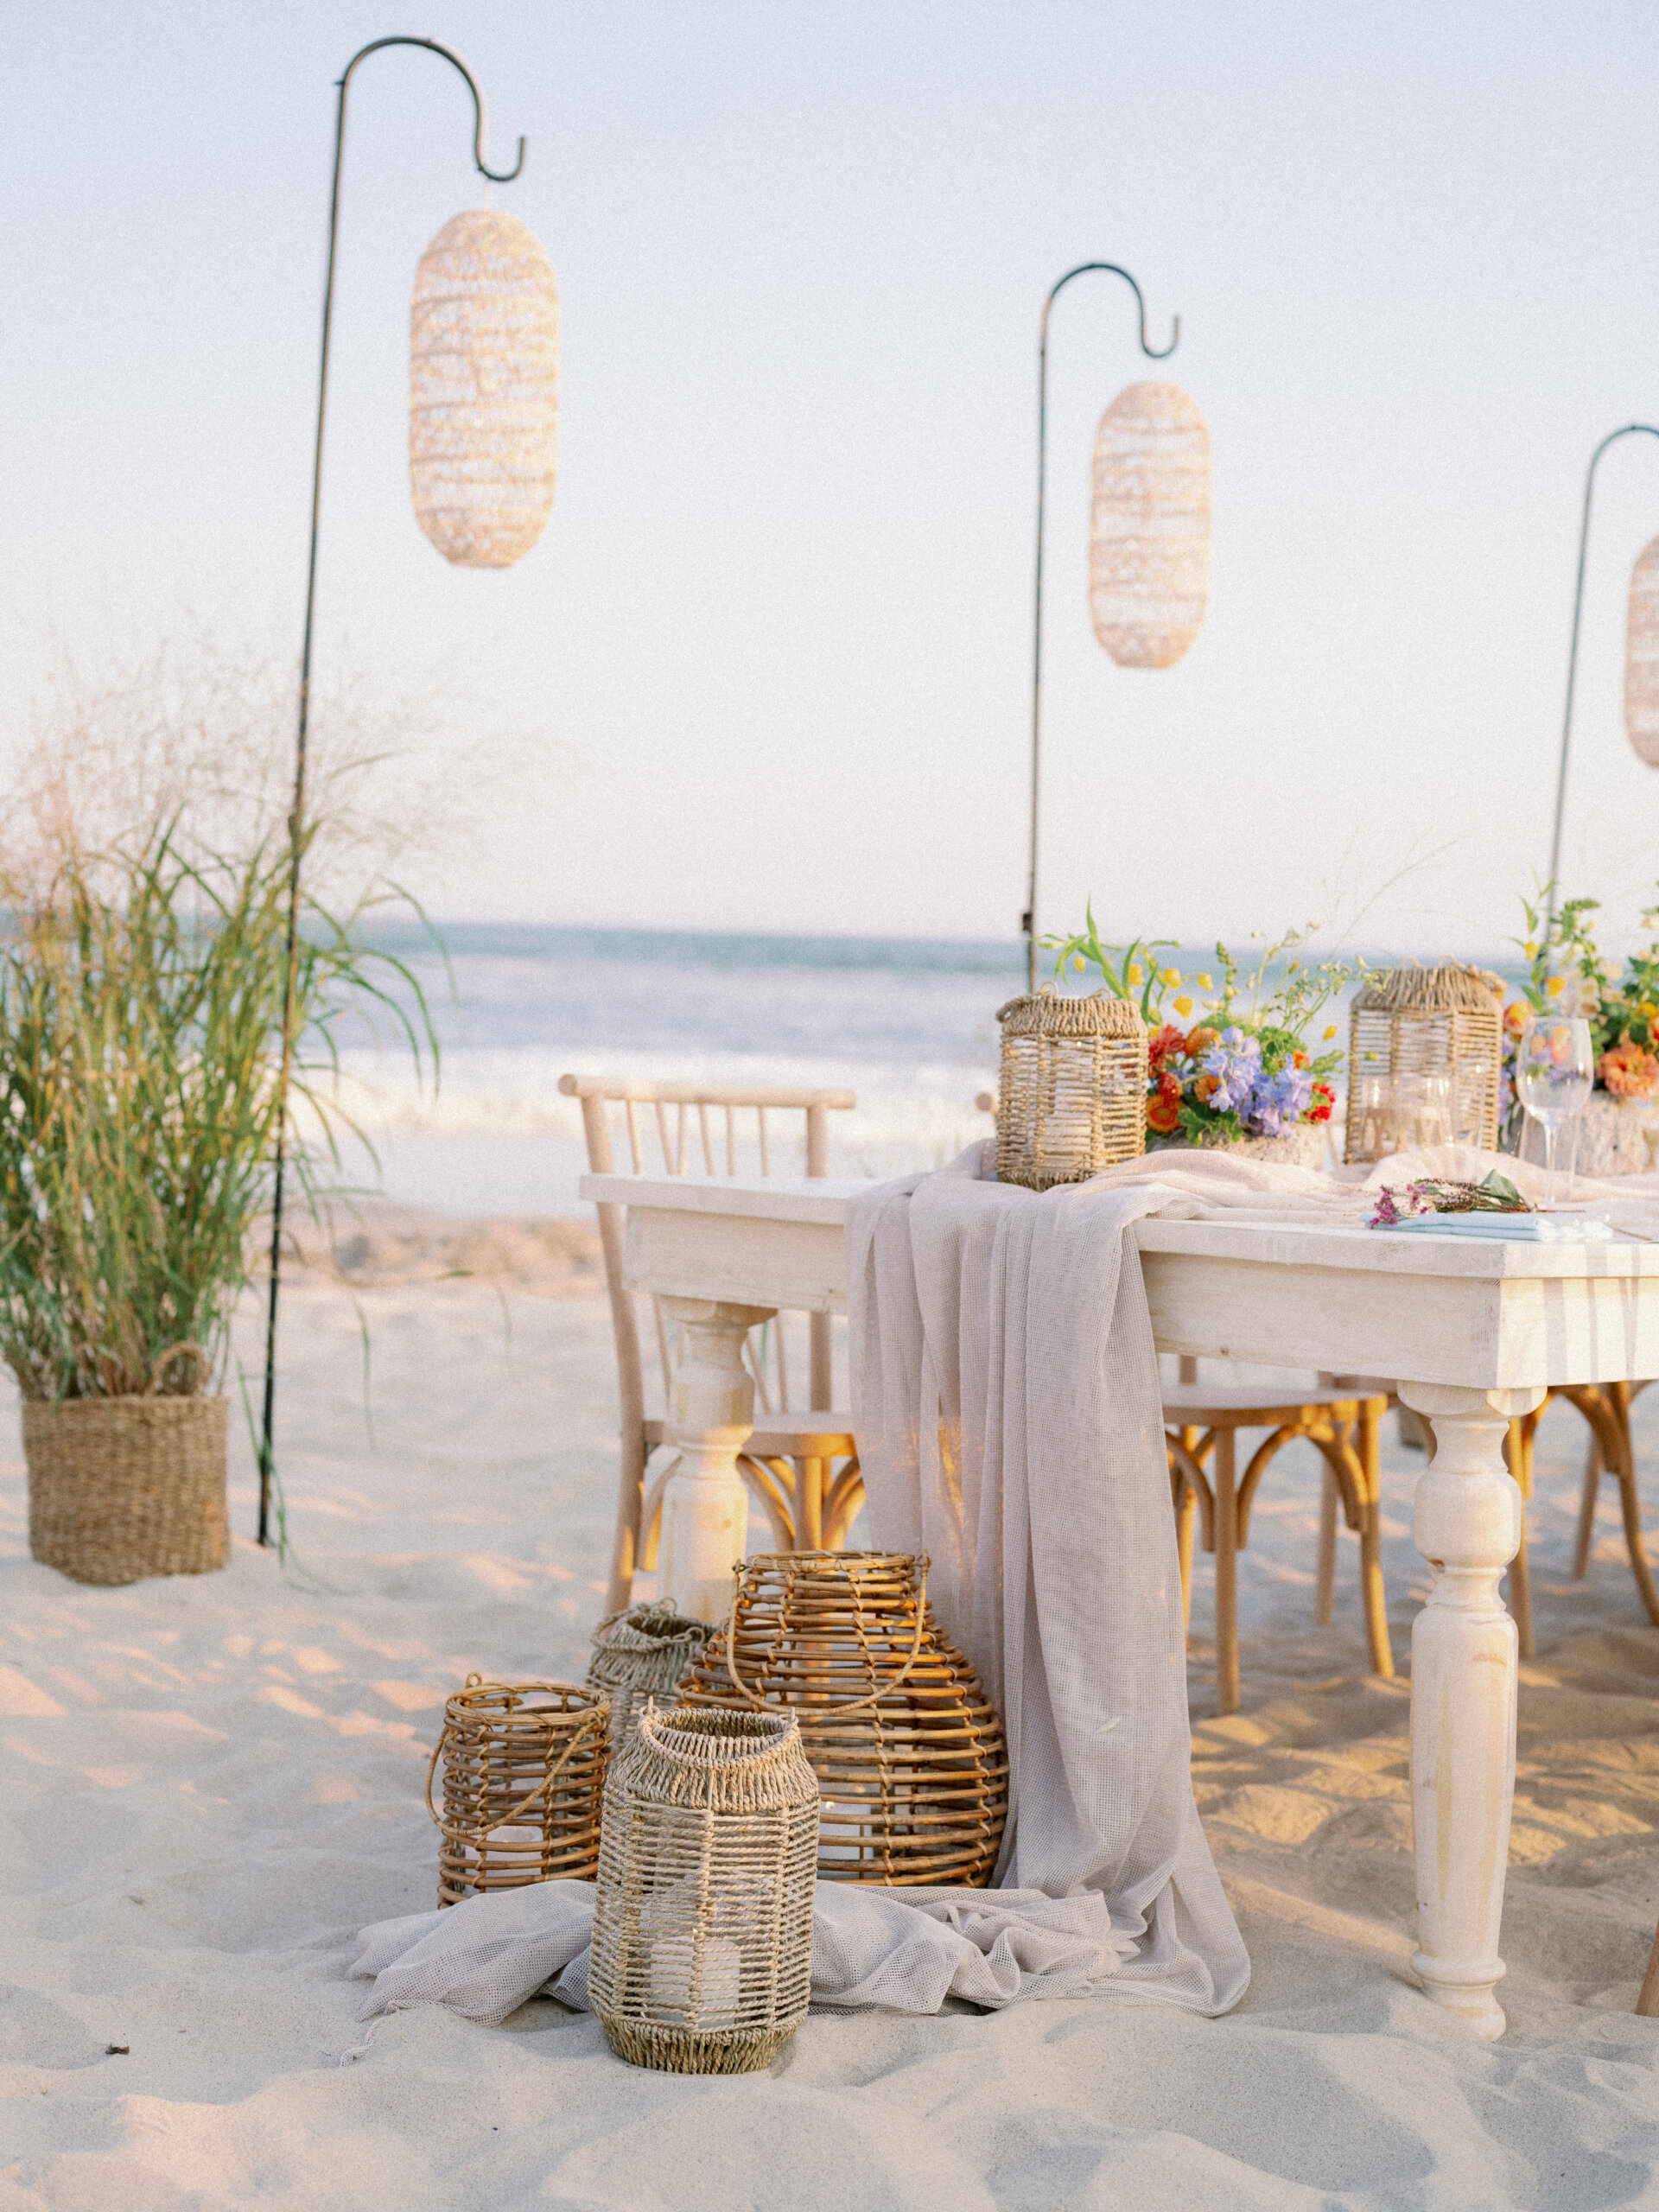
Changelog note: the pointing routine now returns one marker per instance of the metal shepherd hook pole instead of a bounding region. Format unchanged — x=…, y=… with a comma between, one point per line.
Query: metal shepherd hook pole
x=1630, y=430
x=296, y=827
x=1028, y=920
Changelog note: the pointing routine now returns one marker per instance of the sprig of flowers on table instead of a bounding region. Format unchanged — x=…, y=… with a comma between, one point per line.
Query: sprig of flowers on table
x=1494, y=1193
x=1567, y=976
x=1244, y=1067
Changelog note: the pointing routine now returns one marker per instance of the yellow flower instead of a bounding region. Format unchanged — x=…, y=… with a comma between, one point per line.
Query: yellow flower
x=1206, y=982
x=1331, y=1031
x=1532, y=949
x=1079, y=963
x=1172, y=976
x=1556, y=986
x=1137, y=973
x=1182, y=1007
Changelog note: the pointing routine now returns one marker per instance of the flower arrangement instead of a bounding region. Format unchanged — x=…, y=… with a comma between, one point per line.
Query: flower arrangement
x=1566, y=975
x=1244, y=1068
x=1494, y=1193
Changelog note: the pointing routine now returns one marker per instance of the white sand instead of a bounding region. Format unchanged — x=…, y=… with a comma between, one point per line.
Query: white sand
x=209, y=1784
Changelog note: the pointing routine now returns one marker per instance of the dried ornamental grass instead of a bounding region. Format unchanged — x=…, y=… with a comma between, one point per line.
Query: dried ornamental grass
x=1149, y=534
x=483, y=390
x=1642, y=656
x=909, y=1751
x=524, y=1771
x=1423, y=1023
x=1073, y=1093
x=702, y=1926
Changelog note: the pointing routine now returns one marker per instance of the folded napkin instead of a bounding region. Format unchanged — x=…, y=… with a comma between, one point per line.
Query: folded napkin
x=906, y=1950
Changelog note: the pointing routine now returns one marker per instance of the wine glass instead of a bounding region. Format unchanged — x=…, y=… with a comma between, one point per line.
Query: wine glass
x=1554, y=1074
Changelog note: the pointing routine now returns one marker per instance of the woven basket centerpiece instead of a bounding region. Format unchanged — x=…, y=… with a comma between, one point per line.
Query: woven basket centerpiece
x=1422, y=1029
x=911, y=1762
x=121, y=1488
x=1073, y=1095
x=702, y=1928
x=639, y=1654
x=523, y=1772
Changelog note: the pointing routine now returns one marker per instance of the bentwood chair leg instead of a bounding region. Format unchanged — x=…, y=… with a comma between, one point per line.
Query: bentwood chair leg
x=809, y=1506
x=1617, y=1398
x=1586, y=1511
x=1226, y=1574
x=1325, y=1592
x=1647, y=2004
x=1186, y=1522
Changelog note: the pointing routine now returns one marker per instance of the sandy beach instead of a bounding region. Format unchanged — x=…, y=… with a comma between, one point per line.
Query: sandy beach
x=211, y=1784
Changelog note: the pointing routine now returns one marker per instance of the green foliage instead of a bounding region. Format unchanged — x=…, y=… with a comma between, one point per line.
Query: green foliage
x=1128, y=971
x=140, y=1027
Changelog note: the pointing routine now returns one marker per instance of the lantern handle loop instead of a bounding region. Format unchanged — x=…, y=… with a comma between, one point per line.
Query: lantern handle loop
x=1028, y=920
x=432, y=46
x=1630, y=430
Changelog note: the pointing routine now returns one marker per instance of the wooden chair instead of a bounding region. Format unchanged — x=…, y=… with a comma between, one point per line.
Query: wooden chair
x=802, y=1466
x=1201, y=1425
x=1607, y=1408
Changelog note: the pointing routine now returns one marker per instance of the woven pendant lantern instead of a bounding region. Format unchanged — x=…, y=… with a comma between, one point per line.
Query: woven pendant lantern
x=1413, y=1028
x=1642, y=656
x=483, y=390
x=1149, y=535
x=1073, y=1094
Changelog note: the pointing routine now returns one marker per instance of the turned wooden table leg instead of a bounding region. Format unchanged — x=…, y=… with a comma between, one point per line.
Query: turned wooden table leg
x=705, y=1506
x=1463, y=1691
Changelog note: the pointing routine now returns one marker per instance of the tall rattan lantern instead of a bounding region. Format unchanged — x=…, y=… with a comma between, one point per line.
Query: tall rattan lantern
x=1642, y=656
x=1415, y=1026
x=1073, y=1094
x=483, y=390
x=1149, y=536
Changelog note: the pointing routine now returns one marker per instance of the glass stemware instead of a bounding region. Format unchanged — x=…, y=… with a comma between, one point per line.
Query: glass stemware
x=1554, y=1074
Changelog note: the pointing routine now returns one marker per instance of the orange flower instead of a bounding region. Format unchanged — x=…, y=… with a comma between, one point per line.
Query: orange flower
x=1202, y=1040
x=1164, y=1108
x=1629, y=1072
x=1206, y=1086
x=1298, y=1060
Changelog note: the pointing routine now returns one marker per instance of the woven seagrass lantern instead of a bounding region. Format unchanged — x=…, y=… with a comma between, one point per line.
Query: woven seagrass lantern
x=1149, y=535
x=524, y=1770
x=483, y=390
x=639, y=1654
x=1073, y=1093
x=1413, y=1029
x=910, y=1754
x=1642, y=656
x=703, y=1922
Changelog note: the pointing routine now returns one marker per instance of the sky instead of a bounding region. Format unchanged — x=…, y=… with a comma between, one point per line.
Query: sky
x=769, y=667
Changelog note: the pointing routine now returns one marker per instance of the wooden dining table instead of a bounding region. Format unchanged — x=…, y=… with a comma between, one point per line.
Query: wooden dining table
x=1474, y=1331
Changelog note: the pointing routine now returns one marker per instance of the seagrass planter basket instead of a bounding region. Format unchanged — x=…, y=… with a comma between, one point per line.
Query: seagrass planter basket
x=702, y=1926
x=909, y=1751
x=1413, y=1023
x=523, y=1775
x=1073, y=1097
x=123, y=1488
x=639, y=1654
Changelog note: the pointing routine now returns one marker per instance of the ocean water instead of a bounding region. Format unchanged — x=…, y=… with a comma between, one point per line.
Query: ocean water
x=909, y=1026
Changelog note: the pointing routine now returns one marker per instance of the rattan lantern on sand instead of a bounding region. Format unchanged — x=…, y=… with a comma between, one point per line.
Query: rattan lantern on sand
x=483, y=390
x=641, y=1654
x=524, y=1771
x=1073, y=1094
x=909, y=1751
x=1149, y=536
x=1413, y=1023
x=1642, y=656
x=703, y=1923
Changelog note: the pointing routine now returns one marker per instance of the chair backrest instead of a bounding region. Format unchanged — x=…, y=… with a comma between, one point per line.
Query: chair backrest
x=718, y=1117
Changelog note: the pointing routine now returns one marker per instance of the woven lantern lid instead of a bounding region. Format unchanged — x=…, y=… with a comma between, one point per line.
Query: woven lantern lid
x=1049, y=1014
x=1450, y=987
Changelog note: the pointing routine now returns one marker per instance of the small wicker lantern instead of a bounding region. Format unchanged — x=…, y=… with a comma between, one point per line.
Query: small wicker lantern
x=1149, y=537
x=1642, y=656
x=909, y=1751
x=483, y=390
x=524, y=1770
x=1417, y=1025
x=1073, y=1095
x=702, y=1925
x=641, y=1654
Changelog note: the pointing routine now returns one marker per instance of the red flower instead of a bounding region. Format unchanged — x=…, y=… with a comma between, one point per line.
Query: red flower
x=1162, y=1044
x=1164, y=1108
x=1324, y=1099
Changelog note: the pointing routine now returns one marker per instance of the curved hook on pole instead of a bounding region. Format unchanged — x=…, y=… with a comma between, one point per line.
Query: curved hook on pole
x=297, y=816
x=1630, y=430
x=432, y=46
x=1028, y=920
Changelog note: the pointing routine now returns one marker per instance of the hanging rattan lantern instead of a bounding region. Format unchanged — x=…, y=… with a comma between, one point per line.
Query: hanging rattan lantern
x=1642, y=656
x=1149, y=537
x=483, y=390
